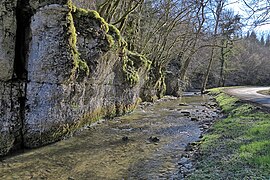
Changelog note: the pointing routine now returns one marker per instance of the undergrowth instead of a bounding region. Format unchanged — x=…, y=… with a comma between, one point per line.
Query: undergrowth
x=237, y=147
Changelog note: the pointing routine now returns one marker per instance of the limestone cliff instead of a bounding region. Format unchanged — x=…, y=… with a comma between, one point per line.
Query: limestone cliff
x=61, y=67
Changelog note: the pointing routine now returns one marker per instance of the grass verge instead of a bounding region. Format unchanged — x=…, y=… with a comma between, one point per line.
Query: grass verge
x=237, y=147
x=265, y=92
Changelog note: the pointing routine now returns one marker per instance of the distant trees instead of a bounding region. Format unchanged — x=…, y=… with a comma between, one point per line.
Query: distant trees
x=251, y=63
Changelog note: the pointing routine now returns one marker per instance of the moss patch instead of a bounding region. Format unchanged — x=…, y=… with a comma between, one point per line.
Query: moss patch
x=132, y=62
x=90, y=14
x=238, y=146
x=68, y=129
x=115, y=32
x=79, y=64
x=155, y=86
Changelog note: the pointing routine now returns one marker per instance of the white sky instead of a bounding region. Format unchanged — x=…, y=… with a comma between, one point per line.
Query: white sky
x=238, y=7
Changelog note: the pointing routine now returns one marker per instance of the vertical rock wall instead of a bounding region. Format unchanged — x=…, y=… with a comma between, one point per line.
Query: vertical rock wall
x=68, y=68
x=10, y=89
x=7, y=38
x=50, y=64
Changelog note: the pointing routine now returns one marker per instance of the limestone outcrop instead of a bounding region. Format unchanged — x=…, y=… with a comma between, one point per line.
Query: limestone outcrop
x=174, y=85
x=67, y=69
x=11, y=89
x=7, y=38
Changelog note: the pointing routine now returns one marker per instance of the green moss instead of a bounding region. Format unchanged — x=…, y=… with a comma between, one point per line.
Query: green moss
x=132, y=63
x=91, y=14
x=160, y=86
x=115, y=32
x=83, y=66
x=131, y=74
x=78, y=63
x=139, y=60
x=110, y=40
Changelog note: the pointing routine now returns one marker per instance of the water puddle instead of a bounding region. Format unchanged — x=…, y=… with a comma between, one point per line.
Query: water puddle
x=146, y=144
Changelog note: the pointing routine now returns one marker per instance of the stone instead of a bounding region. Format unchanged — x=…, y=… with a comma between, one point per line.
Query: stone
x=183, y=161
x=174, y=85
x=10, y=116
x=194, y=119
x=186, y=113
x=125, y=138
x=154, y=139
x=50, y=58
x=8, y=29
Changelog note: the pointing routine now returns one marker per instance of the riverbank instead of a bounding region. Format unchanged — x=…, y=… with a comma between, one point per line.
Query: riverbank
x=236, y=147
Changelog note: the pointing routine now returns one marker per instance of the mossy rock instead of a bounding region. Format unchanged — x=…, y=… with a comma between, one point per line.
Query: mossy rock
x=90, y=14
x=132, y=63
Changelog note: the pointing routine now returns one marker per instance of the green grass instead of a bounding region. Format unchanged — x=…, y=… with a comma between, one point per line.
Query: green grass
x=265, y=92
x=237, y=147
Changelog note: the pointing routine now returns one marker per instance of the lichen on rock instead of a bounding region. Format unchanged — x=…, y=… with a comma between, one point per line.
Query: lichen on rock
x=132, y=62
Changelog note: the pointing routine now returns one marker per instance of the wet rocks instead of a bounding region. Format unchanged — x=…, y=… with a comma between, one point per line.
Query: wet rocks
x=183, y=104
x=186, y=113
x=153, y=139
x=205, y=115
x=194, y=119
x=125, y=138
x=186, y=166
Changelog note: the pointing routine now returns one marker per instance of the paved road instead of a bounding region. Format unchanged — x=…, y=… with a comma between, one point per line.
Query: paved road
x=250, y=94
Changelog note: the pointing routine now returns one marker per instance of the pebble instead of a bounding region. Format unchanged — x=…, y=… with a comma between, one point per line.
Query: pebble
x=188, y=165
x=194, y=119
x=183, y=160
x=125, y=138
x=186, y=113
x=183, y=104
x=154, y=139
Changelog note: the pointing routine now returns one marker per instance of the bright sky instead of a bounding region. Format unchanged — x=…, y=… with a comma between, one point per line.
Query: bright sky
x=238, y=6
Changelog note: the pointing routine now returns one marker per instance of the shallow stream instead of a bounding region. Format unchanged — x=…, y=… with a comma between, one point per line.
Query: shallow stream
x=146, y=144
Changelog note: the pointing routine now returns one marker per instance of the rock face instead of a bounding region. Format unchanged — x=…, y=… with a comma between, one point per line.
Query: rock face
x=74, y=70
x=11, y=90
x=7, y=38
x=173, y=83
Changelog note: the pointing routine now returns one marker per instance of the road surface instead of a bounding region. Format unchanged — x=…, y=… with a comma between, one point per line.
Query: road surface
x=250, y=94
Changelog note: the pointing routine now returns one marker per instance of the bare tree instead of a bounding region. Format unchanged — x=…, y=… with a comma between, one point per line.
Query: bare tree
x=216, y=9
